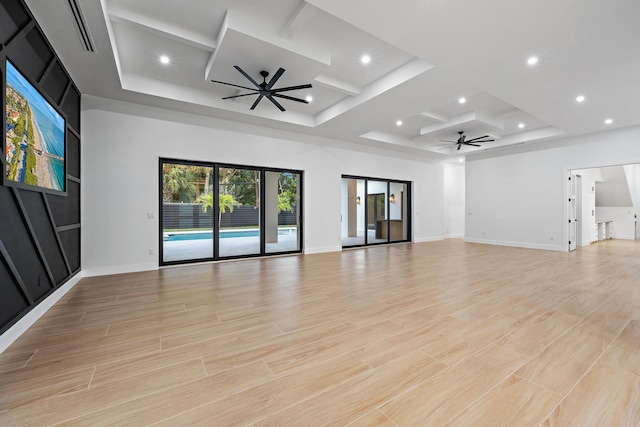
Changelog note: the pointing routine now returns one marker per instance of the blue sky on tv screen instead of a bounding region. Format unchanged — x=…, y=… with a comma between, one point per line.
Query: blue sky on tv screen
x=19, y=83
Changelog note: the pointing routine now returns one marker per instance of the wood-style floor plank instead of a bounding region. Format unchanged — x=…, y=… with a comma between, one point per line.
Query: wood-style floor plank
x=251, y=405
x=606, y=396
x=514, y=402
x=561, y=365
x=355, y=398
x=623, y=353
x=440, y=333
x=440, y=398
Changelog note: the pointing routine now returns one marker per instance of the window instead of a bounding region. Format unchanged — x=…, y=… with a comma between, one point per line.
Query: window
x=374, y=211
x=212, y=211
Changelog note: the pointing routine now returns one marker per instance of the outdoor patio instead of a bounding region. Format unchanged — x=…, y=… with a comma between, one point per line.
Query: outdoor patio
x=180, y=250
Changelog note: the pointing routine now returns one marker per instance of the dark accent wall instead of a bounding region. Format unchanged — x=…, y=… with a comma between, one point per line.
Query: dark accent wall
x=39, y=231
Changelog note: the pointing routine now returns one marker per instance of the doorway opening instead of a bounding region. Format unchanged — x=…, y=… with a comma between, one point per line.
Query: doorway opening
x=604, y=203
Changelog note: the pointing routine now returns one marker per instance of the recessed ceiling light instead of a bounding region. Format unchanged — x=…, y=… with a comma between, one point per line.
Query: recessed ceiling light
x=521, y=125
x=580, y=98
x=461, y=160
x=462, y=100
x=365, y=59
x=309, y=98
x=608, y=121
x=533, y=60
x=165, y=59
x=399, y=123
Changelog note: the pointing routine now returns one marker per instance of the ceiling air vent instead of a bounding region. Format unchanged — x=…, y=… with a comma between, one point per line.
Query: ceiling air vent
x=81, y=26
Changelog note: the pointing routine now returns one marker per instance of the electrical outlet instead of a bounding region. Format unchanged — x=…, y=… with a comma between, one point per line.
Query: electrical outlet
x=151, y=215
x=151, y=251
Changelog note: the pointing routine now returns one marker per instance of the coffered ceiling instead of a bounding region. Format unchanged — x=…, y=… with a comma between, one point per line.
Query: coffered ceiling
x=425, y=55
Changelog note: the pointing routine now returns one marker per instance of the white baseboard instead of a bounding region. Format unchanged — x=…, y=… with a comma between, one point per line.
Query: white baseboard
x=517, y=244
x=454, y=236
x=322, y=250
x=118, y=269
x=624, y=237
x=428, y=239
x=19, y=328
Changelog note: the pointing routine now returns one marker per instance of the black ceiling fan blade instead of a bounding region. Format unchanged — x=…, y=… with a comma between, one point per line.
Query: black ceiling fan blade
x=484, y=140
x=275, y=78
x=257, y=101
x=247, y=76
x=284, y=89
x=475, y=139
x=238, y=96
x=231, y=84
x=473, y=145
x=276, y=103
x=459, y=145
x=446, y=140
x=291, y=98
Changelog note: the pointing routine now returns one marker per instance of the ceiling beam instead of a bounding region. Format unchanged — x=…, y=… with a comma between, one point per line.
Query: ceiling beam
x=337, y=85
x=161, y=29
x=297, y=20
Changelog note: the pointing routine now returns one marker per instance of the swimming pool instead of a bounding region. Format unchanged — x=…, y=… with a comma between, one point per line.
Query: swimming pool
x=224, y=234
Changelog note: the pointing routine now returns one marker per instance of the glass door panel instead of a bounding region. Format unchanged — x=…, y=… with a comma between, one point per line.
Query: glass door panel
x=376, y=211
x=281, y=205
x=397, y=212
x=187, y=212
x=353, y=220
x=239, y=211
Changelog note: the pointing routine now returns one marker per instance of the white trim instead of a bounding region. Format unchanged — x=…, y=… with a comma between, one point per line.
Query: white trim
x=322, y=250
x=428, y=239
x=21, y=326
x=454, y=236
x=624, y=237
x=119, y=269
x=517, y=244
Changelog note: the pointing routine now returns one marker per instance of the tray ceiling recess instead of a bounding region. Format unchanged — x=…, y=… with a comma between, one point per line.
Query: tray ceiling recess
x=422, y=82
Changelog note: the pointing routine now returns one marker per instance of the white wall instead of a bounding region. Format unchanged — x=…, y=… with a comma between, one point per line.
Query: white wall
x=454, y=195
x=520, y=197
x=123, y=142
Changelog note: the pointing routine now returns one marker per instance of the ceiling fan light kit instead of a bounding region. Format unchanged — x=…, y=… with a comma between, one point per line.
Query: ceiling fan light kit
x=266, y=90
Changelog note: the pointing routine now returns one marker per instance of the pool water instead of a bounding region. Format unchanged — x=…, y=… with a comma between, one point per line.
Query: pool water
x=224, y=234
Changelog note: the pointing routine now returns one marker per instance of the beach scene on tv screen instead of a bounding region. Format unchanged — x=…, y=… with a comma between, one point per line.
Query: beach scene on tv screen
x=34, y=135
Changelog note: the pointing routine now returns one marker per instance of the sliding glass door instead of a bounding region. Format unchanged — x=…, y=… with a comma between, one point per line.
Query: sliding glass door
x=282, y=207
x=187, y=212
x=213, y=211
x=239, y=211
x=374, y=211
x=354, y=226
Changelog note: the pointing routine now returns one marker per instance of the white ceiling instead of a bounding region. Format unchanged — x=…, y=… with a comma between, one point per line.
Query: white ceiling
x=425, y=55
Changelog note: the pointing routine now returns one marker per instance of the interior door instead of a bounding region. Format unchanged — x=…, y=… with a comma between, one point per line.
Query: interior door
x=573, y=213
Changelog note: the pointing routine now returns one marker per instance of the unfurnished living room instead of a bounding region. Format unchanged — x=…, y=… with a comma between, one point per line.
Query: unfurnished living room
x=320, y=213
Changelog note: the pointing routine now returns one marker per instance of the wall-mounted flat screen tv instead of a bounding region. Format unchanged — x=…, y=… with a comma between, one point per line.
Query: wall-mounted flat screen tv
x=34, y=136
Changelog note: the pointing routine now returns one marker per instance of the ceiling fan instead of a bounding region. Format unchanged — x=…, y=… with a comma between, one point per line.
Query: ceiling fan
x=265, y=89
x=462, y=140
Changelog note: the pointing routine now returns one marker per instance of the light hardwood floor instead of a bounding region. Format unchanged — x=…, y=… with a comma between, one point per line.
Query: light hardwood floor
x=444, y=333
